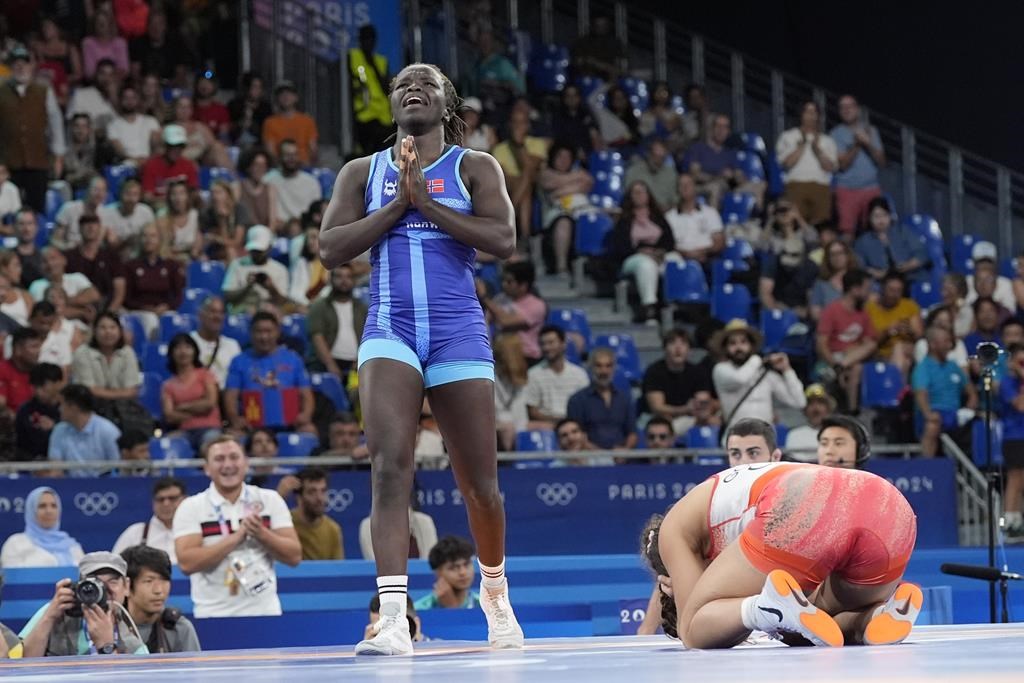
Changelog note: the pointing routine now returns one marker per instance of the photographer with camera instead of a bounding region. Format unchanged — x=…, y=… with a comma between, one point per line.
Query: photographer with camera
x=256, y=279
x=162, y=628
x=86, y=617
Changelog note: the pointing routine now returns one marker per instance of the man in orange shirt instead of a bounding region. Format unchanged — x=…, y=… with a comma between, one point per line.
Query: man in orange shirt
x=290, y=123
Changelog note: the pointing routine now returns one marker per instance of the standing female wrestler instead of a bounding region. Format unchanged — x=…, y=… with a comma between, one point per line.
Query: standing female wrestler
x=425, y=206
x=743, y=550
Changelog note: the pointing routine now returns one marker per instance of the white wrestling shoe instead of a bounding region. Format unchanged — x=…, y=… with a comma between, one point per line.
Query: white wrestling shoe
x=893, y=621
x=503, y=631
x=782, y=606
x=391, y=634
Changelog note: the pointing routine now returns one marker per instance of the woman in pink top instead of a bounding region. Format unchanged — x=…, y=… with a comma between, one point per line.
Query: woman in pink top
x=640, y=244
x=190, y=398
x=104, y=43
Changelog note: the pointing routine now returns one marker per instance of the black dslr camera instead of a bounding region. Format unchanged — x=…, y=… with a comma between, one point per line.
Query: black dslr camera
x=88, y=591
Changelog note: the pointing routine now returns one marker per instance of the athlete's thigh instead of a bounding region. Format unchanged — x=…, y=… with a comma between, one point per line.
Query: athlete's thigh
x=391, y=397
x=730, y=575
x=837, y=595
x=465, y=415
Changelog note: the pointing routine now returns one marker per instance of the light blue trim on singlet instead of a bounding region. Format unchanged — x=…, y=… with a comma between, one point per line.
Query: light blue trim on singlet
x=387, y=348
x=458, y=177
x=375, y=183
x=455, y=203
x=421, y=304
x=391, y=162
x=456, y=371
x=383, y=287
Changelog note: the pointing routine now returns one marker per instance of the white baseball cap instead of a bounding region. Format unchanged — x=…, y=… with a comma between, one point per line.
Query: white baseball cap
x=259, y=238
x=984, y=250
x=175, y=134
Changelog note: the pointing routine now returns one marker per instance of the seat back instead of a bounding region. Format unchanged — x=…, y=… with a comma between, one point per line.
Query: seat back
x=685, y=283
x=881, y=386
x=730, y=301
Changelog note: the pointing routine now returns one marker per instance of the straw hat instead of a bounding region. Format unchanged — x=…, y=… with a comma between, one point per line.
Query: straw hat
x=719, y=338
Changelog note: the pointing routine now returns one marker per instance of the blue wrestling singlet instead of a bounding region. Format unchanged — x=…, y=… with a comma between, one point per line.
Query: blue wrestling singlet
x=423, y=305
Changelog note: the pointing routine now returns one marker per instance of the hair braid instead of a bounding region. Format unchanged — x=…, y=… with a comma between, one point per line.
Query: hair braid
x=454, y=126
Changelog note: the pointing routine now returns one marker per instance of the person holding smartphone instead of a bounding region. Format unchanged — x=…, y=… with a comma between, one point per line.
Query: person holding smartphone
x=257, y=279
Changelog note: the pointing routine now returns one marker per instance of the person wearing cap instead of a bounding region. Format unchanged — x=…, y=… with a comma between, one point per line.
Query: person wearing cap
x=31, y=129
x=747, y=384
x=291, y=124
x=890, y=246
x=479, y=136
x=802, y=441
x=986, y=280
x=371, y=109
x=256, y=279
x=101, y=630
x=160, y=170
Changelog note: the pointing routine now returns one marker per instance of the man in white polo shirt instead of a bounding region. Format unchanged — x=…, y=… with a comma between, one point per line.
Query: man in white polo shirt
x=228, y=536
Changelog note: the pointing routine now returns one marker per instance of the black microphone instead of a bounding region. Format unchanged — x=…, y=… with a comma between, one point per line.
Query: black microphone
x=978, y=572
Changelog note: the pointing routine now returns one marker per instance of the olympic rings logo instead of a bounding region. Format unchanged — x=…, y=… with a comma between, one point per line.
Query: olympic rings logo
x=101, y=504
x=556, y=494
x=338, y=500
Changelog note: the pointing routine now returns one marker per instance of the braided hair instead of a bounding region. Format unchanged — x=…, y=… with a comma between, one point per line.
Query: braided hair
x=652, y=558
x=454, y=126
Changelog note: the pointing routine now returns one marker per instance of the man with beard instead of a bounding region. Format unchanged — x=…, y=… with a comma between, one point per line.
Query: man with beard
x=746, y=383
x=132, y=133
x=296, y=189
x=846, y=337
x=335, y=324
x=319, y=535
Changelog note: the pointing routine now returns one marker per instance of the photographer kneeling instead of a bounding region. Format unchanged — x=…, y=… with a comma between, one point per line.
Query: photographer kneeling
x=86, y=617
x=162, y=628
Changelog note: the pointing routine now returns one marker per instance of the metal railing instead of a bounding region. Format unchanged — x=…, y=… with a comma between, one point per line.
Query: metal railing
x=972, y=492
x=966, y=193
x=661, y=455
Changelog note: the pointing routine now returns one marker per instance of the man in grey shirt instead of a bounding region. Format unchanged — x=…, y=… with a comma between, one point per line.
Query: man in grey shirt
x=162, y=628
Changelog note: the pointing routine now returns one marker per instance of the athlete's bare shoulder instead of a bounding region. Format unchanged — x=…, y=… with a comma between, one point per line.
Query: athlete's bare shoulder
x=480, y=168
x=356, y=168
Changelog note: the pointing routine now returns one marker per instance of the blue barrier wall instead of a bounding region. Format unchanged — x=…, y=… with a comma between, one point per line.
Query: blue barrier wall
x=583, y=510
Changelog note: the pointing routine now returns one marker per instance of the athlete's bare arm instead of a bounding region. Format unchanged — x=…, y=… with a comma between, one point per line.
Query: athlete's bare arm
x=346, y=231
x=491, y=227
x=682, y=541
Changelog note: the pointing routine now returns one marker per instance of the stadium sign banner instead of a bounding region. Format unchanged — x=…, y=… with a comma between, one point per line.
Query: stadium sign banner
x=551, y=511
x=316, y=23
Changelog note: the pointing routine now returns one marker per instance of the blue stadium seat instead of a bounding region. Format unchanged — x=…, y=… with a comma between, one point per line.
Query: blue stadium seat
x=537, y=440
x=678, y=104
x=44, y=231
x=881, y=386
x=927, y=230
x=737, y=207
x=774, y=172
x=626, y=355
x=234, y=151
x=293, y=327
x=722, y=270
x=750, y=164
x=296, y=444
x=685, y=283
x=636, y=91
x=236, y=326
x=133, y=323
x=154, y=359
x=207, y=275
x=730, y=301
x=116, y=175
x=520, y=44
x=326, y=178
x=609, y=173
x=330, y=386
x=979, y=443
x=587, y=85
x=737, y=250
x=549, y=68
x=781, y=432
x=572, y=320
x=703, y=437
x=172, y=323
x=53, y=203
x=1008, y=266
x=752, y=142
x=170, y=447
x=193, y=300
x=926, y=294
x=775, y=324
x=149, y=394
x=209, y=174
x=591, y=230
x=280, y=251
x=960, y=247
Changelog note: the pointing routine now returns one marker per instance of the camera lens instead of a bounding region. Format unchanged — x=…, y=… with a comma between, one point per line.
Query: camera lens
x=90, y=592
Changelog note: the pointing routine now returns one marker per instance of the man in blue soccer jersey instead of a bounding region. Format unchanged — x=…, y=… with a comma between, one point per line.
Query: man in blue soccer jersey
x=425, y=206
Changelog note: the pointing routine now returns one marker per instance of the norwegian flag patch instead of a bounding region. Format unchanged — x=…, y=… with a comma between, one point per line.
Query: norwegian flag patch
x=435, y=186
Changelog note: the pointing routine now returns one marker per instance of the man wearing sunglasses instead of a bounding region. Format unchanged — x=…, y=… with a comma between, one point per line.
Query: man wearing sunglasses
x=156, y=532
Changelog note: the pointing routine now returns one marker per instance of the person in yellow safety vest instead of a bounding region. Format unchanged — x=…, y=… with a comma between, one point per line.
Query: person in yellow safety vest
x=370, y=106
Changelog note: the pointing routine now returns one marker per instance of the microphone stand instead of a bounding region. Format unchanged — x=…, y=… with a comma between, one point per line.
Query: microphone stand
x=986, y=383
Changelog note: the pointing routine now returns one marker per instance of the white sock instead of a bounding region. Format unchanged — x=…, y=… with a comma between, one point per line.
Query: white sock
x=394, y=590
x=1014, y=519
x=749, y=613
x=492, y=578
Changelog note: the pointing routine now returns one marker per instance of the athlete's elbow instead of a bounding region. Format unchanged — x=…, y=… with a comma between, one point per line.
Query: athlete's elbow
x=505, y=247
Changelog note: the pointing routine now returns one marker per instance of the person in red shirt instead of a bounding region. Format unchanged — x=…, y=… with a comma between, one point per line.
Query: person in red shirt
x=15, y=387
x=846, y=337
x=208, y=109
x=159, y=171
